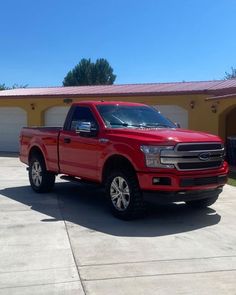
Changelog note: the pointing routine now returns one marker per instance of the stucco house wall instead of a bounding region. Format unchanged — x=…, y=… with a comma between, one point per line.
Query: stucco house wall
x=210, y=112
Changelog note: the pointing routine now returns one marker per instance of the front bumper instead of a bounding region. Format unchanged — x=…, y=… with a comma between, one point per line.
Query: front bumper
x=181, y=196
x=175, y=181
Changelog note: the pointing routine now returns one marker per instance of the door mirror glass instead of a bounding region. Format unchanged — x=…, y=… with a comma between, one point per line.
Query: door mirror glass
x=86, y=128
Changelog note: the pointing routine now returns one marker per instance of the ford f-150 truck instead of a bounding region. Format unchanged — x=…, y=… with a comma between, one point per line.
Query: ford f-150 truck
x=131, y=149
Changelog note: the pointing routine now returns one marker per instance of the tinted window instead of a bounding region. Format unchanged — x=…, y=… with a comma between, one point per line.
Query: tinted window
x=82, y=114
x=116, y=116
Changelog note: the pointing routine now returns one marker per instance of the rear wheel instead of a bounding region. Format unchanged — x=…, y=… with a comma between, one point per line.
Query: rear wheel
x=202, y=203
x=124, y=195
x=40, y=179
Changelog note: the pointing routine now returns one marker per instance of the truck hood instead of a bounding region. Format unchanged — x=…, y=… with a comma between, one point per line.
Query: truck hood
x=163, y=135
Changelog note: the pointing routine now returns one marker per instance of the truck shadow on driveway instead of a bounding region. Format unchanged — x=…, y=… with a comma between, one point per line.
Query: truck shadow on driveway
x=85, y=205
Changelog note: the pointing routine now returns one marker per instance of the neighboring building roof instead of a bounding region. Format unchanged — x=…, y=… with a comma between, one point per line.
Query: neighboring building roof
x=219, y=87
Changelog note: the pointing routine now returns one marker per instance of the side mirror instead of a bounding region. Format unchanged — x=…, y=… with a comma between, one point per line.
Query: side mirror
x=86, y=129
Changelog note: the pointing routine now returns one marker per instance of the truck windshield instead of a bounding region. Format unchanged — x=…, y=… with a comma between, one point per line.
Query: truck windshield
x=117, y=116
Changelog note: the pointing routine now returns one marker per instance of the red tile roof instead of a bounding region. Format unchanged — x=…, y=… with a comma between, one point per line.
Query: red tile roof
x=219, y=87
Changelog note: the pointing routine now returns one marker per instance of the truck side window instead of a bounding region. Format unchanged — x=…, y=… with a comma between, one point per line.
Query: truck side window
x=82, y=114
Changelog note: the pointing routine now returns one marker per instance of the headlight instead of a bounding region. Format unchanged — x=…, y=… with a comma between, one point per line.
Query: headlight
x=153, y=156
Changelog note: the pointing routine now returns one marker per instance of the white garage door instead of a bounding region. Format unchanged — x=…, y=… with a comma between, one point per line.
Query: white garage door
x=175, y=113
x=55, y=116
x=11, y=121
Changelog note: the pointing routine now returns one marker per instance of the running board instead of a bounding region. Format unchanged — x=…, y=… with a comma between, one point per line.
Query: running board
x=77, y=180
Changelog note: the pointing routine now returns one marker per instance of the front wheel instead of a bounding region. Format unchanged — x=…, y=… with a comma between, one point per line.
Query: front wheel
x=124, y=195
x=202, y=203
x=40, y=179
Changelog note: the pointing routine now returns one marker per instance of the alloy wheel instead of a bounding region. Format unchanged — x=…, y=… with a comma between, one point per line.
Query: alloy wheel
x=120, y=193
x=36, y=173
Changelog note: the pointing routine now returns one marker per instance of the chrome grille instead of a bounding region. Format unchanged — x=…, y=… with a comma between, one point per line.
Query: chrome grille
x=196, y=146
x=194, y=156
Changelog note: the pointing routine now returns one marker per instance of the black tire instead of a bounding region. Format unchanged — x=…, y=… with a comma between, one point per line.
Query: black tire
x=131, y=204
x=40, y=179
x=202, y=203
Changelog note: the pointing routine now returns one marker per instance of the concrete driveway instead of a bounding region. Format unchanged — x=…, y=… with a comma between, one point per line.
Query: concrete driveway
x=66, y=242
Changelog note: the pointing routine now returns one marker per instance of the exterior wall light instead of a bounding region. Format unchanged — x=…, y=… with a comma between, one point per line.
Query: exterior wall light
x=214, y=107
x=67, y=100
x=32, y=105
x=192, y=104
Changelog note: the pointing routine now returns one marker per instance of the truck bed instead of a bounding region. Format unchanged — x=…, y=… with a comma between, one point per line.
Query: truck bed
x=46, y=138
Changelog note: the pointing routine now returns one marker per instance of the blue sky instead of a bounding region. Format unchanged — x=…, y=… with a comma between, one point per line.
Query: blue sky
x=144, y=41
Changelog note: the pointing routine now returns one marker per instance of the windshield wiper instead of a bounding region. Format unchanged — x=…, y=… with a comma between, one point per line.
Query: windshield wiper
x=128, y=125
x=142, y=125
x=119, y=124
x=151, y=125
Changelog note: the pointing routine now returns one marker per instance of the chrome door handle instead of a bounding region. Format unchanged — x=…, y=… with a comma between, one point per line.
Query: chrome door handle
x=103, y=140
x=67, y=140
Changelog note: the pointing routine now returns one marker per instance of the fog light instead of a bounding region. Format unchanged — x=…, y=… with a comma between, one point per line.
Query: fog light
x=161, y=181
x=156, y=180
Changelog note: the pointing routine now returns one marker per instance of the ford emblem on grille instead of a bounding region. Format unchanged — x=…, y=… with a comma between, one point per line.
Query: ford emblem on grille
x=204, y=156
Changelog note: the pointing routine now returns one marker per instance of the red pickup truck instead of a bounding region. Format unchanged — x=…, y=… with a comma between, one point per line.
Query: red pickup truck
x=131, y=149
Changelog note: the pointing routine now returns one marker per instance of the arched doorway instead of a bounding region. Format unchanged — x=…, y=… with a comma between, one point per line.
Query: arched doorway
x=227, y=122
x=55, y=116
x=227, y=128
x=230, y=123
x=12, y=119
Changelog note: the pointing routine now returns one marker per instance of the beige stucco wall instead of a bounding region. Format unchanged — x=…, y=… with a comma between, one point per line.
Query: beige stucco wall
x=203, y=116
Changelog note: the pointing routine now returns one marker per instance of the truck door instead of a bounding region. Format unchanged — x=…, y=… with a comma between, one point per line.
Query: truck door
x=78, y=154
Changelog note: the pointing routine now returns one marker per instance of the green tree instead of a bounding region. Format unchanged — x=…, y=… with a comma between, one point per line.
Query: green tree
x=14, y=86
x=231, y=75
x=90, y=73
x=3, y=87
